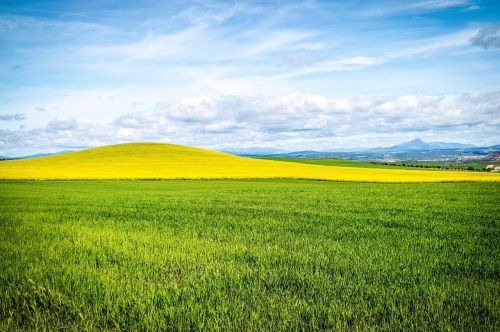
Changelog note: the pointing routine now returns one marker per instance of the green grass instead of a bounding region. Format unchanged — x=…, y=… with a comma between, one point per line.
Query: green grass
x=249, y=255
x=333, y=162
x=343, y=163
x=409, y=164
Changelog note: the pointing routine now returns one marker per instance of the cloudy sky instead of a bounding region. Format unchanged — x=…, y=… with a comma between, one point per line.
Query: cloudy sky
x=289, y=75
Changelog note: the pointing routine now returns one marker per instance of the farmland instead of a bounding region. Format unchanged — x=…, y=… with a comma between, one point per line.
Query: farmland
x=249, y=255
x=408, y=164
x=335, y=162
x=327, y=161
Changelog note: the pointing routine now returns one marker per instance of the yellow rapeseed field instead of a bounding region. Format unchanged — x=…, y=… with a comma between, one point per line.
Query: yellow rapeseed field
x=168, y=161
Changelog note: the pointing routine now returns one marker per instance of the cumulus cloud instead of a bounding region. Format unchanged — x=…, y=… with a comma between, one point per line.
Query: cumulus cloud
x=488, y=37
x=12, y=117
x=293, y=122
x=193, y=109
x=297, y=120
x=40, y=109
x=133, y=121
x=62, y=124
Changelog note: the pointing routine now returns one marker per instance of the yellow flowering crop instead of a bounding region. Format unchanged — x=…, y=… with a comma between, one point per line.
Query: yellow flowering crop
x=168, y=161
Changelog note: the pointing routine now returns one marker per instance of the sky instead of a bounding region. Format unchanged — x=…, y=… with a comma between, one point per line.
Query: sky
x=287, y=75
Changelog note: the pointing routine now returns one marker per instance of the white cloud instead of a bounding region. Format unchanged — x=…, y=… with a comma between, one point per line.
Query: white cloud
x=154, y=46
x=422, y=47
x=31, y=24
x=344, y=64
x=419, y=6
x=431, y=45
x=218, y=48
x=193, y=109
x=294, y=122
x=61, y=124
x=488, y=37
x=281, y=40
x=12, y=117
x=136, y=121
x=440, y=4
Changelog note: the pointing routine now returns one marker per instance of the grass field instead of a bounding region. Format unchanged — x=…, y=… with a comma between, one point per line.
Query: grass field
x=335, y=162
x=477, y=165
x=167, y=161
x=249, y=255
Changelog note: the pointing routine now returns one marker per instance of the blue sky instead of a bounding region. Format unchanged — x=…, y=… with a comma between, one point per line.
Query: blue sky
x=233, y=74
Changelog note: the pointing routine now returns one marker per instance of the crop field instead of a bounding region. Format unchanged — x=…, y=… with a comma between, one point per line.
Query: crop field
x=335, y=162
x=433, y=165
x=256, y=255
x=167, y=161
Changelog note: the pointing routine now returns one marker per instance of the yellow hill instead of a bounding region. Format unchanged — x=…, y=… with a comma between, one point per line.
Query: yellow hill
x=168, y=161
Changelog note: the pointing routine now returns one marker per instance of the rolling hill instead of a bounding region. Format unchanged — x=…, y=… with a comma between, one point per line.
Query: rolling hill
x=168, y=161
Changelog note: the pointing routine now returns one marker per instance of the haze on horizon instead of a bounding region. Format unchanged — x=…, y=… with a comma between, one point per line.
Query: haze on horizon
x=291, y=75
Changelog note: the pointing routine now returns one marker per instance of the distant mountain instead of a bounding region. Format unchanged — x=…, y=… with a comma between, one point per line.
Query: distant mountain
x=259, y=152
x=34, y=155
x=415, y=149
x=416, y=144
x=495, y=147
x=419, y=145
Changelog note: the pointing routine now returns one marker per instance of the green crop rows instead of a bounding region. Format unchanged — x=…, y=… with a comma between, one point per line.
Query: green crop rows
x=249, y=255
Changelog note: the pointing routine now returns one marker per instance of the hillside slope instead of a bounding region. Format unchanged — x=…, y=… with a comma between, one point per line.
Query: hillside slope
x=168, y=161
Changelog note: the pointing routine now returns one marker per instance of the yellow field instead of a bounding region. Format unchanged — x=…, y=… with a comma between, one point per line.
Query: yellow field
x=168, y=161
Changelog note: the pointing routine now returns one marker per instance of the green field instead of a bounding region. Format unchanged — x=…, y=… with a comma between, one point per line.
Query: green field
x=249, y=255
x=333, y=162
x=409, y=164
x=355, y=163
